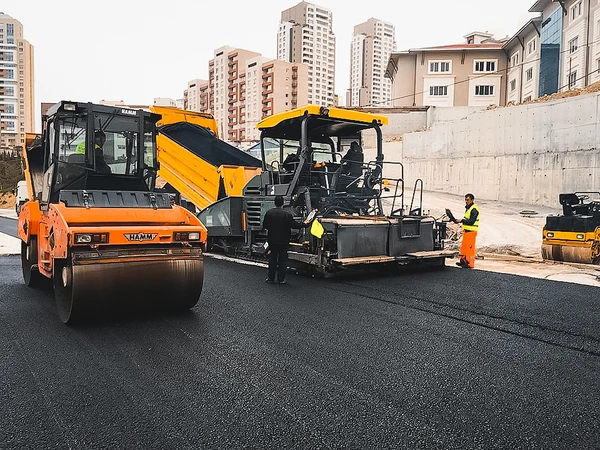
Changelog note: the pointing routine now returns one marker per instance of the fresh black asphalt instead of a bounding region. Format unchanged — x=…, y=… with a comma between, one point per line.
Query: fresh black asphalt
x=8, y=226
x=445, y=359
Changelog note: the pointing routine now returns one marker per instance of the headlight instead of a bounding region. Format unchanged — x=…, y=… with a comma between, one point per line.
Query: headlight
x=83, y=238
x=186, y=236
x=580, y=236
x=549, y=234
x=91, y=238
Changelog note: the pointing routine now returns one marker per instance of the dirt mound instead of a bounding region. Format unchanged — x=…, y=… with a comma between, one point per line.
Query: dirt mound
x=7, y=200
x=595, y=87
x=512, y=250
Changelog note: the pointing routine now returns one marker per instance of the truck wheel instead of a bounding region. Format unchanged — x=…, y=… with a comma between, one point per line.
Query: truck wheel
x=29, y=259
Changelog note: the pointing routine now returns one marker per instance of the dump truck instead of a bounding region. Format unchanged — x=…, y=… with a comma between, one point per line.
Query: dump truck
x=95, y=225
x=195, y=162
x=366, y=220
x=574, y=235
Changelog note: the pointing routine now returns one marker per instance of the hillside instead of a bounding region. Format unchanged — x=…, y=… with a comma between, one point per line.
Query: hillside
x=10, y=173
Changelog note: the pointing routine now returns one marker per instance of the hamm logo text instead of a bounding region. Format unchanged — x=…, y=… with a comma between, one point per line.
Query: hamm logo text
x=140, y=236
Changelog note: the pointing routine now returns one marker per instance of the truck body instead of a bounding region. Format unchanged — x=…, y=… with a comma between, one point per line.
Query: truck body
x=21, y=195
x=196, y=163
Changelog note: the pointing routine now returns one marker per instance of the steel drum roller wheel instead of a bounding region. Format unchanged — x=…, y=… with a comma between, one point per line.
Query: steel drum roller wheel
x=29, y=253
x=66, y=307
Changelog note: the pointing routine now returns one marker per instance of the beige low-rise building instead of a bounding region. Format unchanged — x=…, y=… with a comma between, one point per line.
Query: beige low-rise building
x=523, y=53
x=581, y=44
x=468, y=74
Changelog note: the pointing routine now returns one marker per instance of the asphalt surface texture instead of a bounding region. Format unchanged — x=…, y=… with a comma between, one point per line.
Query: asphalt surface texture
x=8, y=226
x=447, y=358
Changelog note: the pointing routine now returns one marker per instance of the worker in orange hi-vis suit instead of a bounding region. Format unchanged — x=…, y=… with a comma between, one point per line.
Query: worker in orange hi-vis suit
x=470, y=226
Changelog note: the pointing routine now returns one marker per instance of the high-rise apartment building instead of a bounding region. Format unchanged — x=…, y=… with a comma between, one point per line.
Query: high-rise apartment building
x=192, y=96
x=372, y=44
x=245, y=87
x=16, y=84
x=225, y=81
x=272, y=86
x=306, y=36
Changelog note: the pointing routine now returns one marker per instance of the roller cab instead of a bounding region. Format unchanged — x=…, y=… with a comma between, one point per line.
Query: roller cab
x=95, y=226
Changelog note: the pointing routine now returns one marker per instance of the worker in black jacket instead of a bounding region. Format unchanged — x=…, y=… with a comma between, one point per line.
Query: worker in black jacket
x=279, y=223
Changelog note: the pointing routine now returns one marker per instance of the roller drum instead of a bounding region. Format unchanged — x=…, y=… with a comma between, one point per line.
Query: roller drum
x=85, y=288
x=566, y=253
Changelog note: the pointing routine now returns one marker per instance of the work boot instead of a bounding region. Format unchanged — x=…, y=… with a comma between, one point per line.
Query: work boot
x=282, y=282
x=269, y=281
x=462, y=264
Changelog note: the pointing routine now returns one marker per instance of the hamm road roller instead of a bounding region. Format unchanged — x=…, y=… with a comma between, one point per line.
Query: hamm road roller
x=95, y=225
x=574, y=235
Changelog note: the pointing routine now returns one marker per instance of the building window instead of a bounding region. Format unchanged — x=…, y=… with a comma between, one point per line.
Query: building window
x=572, y=79
x=573, y=44
x=439, y=66
x=485, y=66
x=529, y=74
x=515, y=60
x=484, y=90
x=531, y=46
x=598, y=62
x=513, y=85
x=576, y=11
x=438, y=90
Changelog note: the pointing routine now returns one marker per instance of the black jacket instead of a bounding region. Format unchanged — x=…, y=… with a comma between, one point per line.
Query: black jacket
x=279, y=223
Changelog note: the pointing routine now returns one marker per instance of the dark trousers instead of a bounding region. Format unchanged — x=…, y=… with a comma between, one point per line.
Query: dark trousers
x=277, y=261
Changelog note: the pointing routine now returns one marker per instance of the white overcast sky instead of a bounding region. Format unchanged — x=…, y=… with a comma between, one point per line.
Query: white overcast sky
x=136, y=50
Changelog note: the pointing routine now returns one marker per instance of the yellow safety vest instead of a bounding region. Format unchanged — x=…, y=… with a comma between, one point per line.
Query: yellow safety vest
x=467, y=216
x=80, y=149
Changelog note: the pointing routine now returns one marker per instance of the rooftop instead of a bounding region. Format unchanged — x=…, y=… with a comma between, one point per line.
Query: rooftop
x=453, y=47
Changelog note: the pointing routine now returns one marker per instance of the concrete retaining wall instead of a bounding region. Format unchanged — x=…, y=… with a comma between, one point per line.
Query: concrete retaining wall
x=529, y=153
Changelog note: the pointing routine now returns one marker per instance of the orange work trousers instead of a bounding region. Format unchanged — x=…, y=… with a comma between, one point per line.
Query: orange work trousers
x=467, y=248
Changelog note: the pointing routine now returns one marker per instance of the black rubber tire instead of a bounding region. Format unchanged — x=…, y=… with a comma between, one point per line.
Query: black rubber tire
x=29, y=257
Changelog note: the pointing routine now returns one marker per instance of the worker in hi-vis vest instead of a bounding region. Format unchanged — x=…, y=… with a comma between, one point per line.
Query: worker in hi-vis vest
x=470, y=226
x=99, y=140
